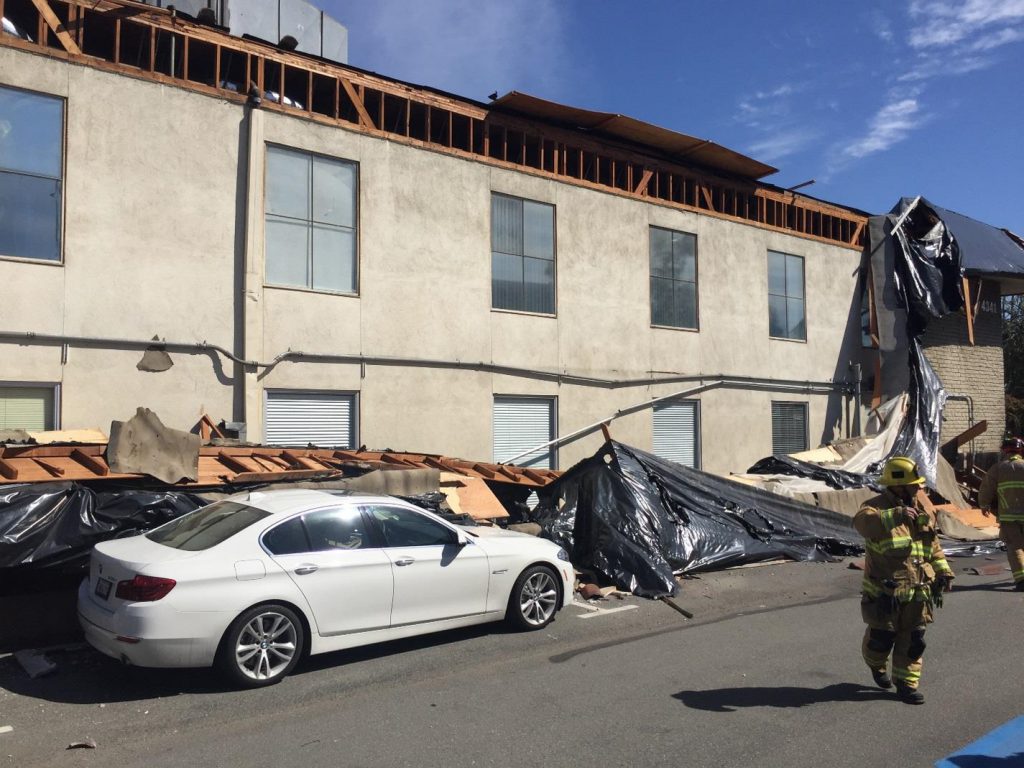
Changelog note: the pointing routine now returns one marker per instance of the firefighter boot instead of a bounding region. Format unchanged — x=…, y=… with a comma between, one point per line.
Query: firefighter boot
x=882, y=679
x=909, y=695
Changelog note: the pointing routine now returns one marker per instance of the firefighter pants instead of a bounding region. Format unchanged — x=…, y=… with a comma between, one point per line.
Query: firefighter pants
x=1012, y=534
x=895, y=629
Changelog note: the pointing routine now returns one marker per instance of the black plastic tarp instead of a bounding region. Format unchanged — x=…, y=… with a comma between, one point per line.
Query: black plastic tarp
x=983, y=249
x=927, y=269
x=835, y=478
x=50, y=525
x=638, y=519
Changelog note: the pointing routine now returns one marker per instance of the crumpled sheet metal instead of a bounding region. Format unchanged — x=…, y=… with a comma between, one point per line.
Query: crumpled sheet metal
x=639, y=519
x=45, y=525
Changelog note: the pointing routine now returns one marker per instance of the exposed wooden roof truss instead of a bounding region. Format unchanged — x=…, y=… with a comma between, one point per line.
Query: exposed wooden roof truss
x=154, y=43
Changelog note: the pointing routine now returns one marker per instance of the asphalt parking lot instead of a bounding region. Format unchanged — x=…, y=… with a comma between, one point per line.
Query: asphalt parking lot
x=768, y=668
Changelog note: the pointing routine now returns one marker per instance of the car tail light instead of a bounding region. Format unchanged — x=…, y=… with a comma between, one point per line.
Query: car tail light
x=144, y=589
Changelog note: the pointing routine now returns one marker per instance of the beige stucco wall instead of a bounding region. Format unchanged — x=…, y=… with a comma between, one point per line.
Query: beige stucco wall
x=156, y=232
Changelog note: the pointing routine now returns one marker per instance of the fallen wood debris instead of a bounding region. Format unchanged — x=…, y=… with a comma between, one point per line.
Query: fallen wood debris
x=247, y=464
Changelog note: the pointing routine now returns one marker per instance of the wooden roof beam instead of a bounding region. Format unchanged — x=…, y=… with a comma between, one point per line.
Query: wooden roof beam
x=92, y=463
x=8, y=470
x=234, y=463
x=56, y=27
x=53, y=469
x=357, y=101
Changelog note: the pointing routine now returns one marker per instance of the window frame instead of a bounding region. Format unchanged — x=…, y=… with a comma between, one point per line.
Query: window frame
x=553, y=400
x=311, y=222
x=523, y=256
x=62, y=181
x=696, y=278
x=354, y=424
x=804, y=406
x=53, y=386
x=698, y=453
x=786, y=296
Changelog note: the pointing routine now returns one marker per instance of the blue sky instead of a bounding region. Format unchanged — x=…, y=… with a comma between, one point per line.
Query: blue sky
x=875, y=101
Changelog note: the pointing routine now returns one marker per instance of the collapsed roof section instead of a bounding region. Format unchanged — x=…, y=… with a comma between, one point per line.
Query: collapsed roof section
x=639, y=519
x=229, y=465
x=678, y=146
x=985, y=251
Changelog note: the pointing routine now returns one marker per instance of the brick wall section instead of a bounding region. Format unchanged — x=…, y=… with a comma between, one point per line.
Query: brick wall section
x=974, y=371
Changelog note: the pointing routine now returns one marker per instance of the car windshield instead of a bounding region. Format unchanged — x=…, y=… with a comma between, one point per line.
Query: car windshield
x=206, y=527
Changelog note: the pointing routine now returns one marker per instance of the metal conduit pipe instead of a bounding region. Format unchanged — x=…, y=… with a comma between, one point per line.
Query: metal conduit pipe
x=751, y=382
x=724, y=382
x=621, y=412
x=46, y=339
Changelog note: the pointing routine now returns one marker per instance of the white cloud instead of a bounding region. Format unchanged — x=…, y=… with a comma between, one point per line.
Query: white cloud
x=942, y=23
x=890, y=125
x=767, y=106
x=1000, y=38
x=782, y=144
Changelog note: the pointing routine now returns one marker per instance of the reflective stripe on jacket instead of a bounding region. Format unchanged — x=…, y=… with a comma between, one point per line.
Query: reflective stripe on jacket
x=1004, y=484
x=902, y=557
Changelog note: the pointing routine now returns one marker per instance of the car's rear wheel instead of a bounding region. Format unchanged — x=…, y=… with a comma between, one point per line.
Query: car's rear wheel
x=534, y=599
x=261, y=646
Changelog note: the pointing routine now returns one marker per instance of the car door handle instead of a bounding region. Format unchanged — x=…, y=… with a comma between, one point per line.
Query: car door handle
x=405, y=561
x=302, y=570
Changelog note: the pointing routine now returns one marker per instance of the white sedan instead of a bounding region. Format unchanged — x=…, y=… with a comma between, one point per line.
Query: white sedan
x=252, y=583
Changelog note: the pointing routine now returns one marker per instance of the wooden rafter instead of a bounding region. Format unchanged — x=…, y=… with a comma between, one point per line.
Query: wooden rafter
x=46, y=12
x=53, y=469
x=721, y=197
x=357, y=101
x=8, y=470
x=641, y=188
x=93, y=463
x=969, y=310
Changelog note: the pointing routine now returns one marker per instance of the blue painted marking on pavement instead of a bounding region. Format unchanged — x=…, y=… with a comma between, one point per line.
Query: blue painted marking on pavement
x=1001, y=748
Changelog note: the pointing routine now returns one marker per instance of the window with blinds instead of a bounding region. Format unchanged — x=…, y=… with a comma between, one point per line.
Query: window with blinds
x=673, y=278
x=677, y=432
x=789, y=428
x=786, y=310
x=521, y=423
x=29, y=408
x=522, y=255
x=310, y=418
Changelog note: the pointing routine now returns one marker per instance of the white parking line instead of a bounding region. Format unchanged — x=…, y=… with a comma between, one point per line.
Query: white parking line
x=595, y=611
x=6, y=728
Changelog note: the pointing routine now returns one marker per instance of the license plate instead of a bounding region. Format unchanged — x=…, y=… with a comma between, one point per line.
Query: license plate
x=103, y=588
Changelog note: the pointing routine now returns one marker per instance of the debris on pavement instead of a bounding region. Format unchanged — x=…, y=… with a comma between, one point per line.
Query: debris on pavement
x=84, y=744
x=34, y=663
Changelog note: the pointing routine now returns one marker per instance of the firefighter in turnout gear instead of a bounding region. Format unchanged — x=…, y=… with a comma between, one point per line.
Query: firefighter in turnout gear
x=1004, y=485
x=905, y=573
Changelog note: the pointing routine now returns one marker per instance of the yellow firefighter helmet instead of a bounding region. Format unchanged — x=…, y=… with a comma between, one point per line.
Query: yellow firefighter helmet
x=899, y=470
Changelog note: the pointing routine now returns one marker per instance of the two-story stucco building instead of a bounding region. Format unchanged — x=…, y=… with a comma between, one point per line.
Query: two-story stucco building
x=331, y=256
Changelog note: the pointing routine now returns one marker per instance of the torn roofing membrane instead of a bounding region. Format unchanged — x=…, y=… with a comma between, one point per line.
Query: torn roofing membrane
x=639, y=519
x=984, y=249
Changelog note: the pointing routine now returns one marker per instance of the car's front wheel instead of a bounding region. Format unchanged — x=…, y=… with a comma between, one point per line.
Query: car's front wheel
x=261, y=646
x=534, y=599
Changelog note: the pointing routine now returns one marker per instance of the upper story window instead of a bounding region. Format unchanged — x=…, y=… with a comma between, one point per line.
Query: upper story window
x=310, y=221
x=522, y=255
x=31, y=174
x=786, y=315
x=673, y=278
